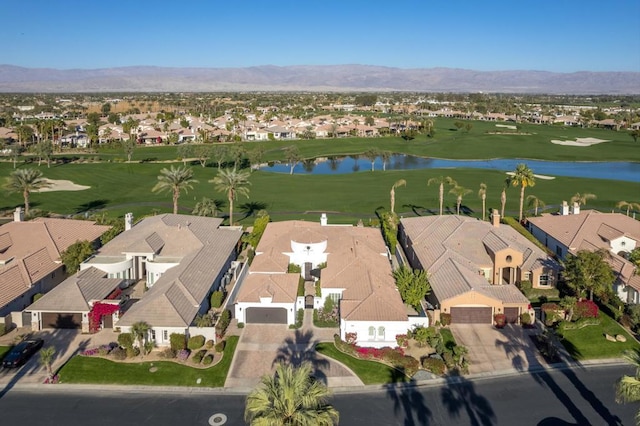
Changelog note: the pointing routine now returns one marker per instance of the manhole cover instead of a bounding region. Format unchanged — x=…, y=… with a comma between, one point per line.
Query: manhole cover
x=217, y=419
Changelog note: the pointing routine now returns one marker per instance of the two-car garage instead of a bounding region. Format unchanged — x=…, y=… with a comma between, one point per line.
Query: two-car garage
x=257, y=315
x=61, y=320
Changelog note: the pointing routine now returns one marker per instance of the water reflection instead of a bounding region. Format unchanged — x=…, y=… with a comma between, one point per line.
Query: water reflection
x=625, y=171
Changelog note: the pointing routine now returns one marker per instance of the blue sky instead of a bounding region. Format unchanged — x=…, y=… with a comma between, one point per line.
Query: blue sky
x=548, y=35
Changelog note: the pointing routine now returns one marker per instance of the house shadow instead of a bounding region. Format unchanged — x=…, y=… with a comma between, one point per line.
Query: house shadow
x=408, y=402
x=459, y=395
x=516, y=346
x=300, y=349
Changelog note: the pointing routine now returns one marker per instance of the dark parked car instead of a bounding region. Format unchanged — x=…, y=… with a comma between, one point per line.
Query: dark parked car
x=21, y=353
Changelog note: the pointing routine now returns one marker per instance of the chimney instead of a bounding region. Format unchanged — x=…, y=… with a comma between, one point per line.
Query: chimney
x=323, y=219
x=495, y=218
x=576, y=208
x=565, y=208
x=18, y=215
x=128, y=221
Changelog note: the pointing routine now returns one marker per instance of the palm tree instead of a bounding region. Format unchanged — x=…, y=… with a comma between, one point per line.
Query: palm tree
x=582, y=198
x=46, y=358
x=385, y=156
x=233, y=183
x=503, y=198
x=441, y=181
x=535, y=202
x=207, y=207
x=290, y=397
x=628, y=387
x=522, y=177
x=459, y=192
x=371, y=155
x=400, y=182
x=139, y=330
x=482, y=193
x=175, y=180
x=629, y=206
x=26, y=181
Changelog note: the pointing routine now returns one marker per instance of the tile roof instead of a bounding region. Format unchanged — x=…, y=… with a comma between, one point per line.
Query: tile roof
x=283, y=288
x=453, y=249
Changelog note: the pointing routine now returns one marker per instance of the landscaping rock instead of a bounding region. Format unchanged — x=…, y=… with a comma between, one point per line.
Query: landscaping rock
x=153, y=369
x=424, y=375
x=621, y=338
x=610, y=338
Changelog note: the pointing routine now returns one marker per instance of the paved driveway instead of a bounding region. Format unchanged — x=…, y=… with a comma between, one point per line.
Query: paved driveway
x=492, y=349
x=262, y=346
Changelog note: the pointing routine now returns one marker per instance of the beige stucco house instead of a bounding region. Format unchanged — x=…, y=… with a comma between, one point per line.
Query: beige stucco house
x=473, y=266
x=574, y=230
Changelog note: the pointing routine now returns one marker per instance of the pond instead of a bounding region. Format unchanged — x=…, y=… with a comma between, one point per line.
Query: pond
x=625, y=171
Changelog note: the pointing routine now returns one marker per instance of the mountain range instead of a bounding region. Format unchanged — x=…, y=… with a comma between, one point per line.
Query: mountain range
x=338, y=78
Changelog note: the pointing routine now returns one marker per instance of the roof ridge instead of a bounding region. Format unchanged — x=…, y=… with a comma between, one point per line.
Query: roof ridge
x=579, y=230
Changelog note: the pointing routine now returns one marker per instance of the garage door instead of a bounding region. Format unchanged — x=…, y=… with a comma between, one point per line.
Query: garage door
x=512, y=315
x=61, y=320
x=266, y=316
x=460, y=315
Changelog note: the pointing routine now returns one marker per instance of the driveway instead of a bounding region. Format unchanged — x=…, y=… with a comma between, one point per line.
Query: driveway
x=262, y=346
x=492, y=350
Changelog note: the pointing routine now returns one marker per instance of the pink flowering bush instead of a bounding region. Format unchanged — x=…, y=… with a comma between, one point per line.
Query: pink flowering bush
x=52, y=380
x=402, y=340
x=585, y=309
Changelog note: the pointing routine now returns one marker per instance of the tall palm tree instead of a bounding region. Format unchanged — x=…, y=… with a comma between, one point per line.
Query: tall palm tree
x=441, y=181
x=628, y=387
x=46, y=359
x=139, y=330
x=535, y=202
x=400, y=182
x=629, y=206
x=233, y=183
x=582, y=198
x=459, y=192
x=26, y=181
x=290, y=397
x=482, y=193
x=175, y=180
x=522, y=177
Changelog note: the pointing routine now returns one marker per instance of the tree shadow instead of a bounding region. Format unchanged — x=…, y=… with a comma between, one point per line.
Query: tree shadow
x=250, y=208
x=459, y=395
x=417, y=210
x=92, y=205
x=407, y=400
x=299, y=349
x=466, y=210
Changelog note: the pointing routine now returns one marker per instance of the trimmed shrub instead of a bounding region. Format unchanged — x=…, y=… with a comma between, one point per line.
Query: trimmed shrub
x=207, y=360
x=195, y=342
x=240, y=325
x=118, y=353
x=197, y=357
x=178, y=341
x=448, y=360
x=445, y=319
x=525, y=318
x=209, y=344
x=216, y=299
x=435, y=365
x=125, y=340
x=220, y=346
x=500, y=320
x=223, y=322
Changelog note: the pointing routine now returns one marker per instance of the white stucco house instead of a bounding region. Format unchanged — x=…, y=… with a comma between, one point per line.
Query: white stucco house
x=352, y=266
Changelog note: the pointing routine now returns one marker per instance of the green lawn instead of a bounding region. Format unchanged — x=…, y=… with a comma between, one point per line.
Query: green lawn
x=589, y=342
x=370, y=372
x=447, y=338
x=537, y=296
x=81, y=369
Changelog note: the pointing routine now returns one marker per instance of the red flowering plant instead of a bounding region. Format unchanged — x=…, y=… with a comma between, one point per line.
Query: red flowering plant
x=98, y=310
x=351, y=338
x=500, y=320
x=402, y=340
x=586, y=309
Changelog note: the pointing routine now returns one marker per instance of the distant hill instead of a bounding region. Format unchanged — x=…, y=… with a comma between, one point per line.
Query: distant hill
x=313, y=78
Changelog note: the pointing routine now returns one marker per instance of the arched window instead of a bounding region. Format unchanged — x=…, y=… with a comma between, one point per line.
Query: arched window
x=372, y=332
x=381, y=333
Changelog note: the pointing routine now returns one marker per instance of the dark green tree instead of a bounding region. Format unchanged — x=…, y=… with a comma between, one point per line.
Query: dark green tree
x=75, y=254
x=588, y=272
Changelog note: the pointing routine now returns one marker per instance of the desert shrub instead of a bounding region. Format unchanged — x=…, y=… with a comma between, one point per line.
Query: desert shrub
x=445, y=319
x=168, y=353
x=178, y=341
x=125, y=340
x=402, y=340
x=551, y=313
x=525, y=318
x=197, y=357
x=209, y=344
x=207, y=360
x=216, y=299
x=348, y=348
x=223, y=322
x=220, y=346
x=435, y=365
x=195, y=342
x=448, y=359
x=118, y=354
x=351, y=338
x=104, y=350
x=149, y=346
x=632, y=317
x=132, y=351
x=408, y=364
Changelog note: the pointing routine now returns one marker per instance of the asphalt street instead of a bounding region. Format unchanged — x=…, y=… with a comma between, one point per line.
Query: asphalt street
x=559, y=397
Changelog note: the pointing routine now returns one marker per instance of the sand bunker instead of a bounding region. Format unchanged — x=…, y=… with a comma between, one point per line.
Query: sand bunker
x=580, y=142
x=543, y=177
x=507, y=126
x=62, y=185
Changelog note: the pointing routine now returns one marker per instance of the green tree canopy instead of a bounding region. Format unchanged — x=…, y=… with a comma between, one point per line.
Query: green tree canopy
x=75, y=254
x=413, y=285
x=522, y=177
x=588, y=271
x=175, y=180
